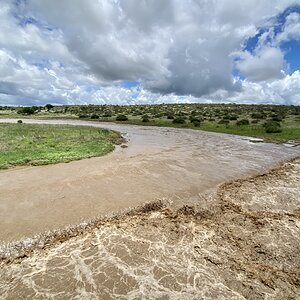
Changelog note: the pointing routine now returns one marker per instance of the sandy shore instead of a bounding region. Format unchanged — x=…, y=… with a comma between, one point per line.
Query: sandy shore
x=160, y=163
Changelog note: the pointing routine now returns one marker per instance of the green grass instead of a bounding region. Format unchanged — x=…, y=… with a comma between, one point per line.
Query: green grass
x=37, y=144
x=209, y=114
x=290, y=129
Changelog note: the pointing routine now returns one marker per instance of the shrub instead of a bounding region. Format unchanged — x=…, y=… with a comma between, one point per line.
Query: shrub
x=257, y=116
x=178, y=120
x=272, y=127
x=26, y=111
x=242, y=122
x=107, y=114
x=192, y=119
x=277, y=118
x=145, y=118
x=121, y=118
x=233, y=117
x=196, y=123
x=223, y=122
x=83, y=116
x=94, y=116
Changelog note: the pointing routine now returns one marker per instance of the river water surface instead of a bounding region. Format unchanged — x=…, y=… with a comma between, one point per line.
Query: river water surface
x=145, y=255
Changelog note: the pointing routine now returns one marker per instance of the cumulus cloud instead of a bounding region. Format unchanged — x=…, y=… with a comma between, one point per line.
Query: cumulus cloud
x=75, y=51
x=291, y=29
x=266, y=64
x=280, y=91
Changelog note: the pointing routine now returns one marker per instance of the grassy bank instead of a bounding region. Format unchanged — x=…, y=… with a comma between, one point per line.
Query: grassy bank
x=209, y=117
x=36, y=144
x=289, y=132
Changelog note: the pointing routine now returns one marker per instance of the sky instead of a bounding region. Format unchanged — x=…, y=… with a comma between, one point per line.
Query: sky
x=149, y=51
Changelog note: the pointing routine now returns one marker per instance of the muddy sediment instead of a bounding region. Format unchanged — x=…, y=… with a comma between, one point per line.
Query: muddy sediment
x=245, y=245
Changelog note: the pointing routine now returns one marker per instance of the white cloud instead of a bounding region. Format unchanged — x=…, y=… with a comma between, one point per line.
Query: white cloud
x=291, y=29
x=280, y=91
x=53, y=51
x=266, y=64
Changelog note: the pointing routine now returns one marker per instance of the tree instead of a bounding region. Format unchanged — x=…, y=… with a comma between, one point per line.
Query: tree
x=26, y=111
x=49, y=107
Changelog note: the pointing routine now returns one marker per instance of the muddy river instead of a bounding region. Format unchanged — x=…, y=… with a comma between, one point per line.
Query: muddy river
x=181, y=248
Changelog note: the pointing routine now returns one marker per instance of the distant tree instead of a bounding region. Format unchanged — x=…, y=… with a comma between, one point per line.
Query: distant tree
x=26, y=111
x=49, y=107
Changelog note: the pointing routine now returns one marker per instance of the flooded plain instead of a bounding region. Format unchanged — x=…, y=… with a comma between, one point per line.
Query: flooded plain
x=159, y=164
x=197, y=238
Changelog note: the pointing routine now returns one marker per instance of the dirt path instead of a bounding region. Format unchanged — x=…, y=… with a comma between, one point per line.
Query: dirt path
x=160, y=163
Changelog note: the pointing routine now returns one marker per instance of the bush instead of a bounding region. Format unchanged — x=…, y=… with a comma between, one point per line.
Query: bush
x=257, y=116
x=145, y=119
x=107, y=114
x=196, y=123
x=277, y=118
x=121, y=118
x=82, y=116
x=26, y=111
x=178, y=120
x=233, y=117
x=242, y=122
x=272, y=127
x=223, y=122
x=94, y=116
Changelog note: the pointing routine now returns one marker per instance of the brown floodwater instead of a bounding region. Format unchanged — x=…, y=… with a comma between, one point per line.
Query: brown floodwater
x=246, y=246
x=178, y=165
x=82, y=230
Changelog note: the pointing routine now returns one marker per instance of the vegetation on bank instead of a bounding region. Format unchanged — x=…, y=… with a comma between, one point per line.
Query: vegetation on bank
x=270, y=122
x=38, y=144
